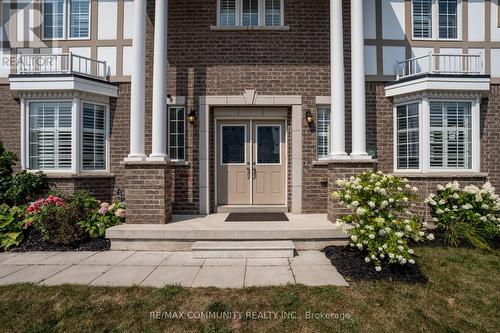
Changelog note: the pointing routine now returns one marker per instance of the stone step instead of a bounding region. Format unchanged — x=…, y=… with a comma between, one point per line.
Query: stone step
x=245, y=249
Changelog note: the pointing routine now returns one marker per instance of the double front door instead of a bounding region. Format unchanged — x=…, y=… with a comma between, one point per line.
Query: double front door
x=251, y=162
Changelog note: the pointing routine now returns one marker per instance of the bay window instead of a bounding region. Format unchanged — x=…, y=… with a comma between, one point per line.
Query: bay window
x=250, y=13
x=57, y=131
x=50, y=136
x=437, y=136
x=407, y=136
x=66, y=19
x=94, y=137
x=436, y=19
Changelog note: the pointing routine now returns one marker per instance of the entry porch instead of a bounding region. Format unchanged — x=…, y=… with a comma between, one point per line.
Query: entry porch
x=306, y=231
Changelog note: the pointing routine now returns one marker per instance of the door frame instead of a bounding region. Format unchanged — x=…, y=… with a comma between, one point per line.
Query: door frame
x=251, y=119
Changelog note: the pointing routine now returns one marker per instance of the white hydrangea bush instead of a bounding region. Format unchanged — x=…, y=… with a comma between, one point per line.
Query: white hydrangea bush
x=467, y=215
x=382, y=223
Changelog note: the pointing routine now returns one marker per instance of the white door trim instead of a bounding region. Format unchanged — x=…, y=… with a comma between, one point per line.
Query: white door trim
x=206, y=102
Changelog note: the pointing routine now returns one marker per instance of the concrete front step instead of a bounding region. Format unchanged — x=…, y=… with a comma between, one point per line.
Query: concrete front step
x=307, y=232
x=242, y=250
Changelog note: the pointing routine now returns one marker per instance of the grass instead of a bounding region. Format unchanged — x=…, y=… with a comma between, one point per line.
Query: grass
x=462, y=295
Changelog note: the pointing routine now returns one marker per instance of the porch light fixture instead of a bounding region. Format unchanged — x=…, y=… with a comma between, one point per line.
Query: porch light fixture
x=191, y=117
x=309, y=117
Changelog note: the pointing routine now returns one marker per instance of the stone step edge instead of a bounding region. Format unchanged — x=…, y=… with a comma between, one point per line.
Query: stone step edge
x=242, y=245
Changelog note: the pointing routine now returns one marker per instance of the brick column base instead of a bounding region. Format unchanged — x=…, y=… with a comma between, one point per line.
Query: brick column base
x=340, y=170
x=148, y=192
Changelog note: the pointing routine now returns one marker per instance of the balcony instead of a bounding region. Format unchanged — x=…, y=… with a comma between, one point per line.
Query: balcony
x=439, y=63
x=64, y=63
x=439, y=72
x=61, y=72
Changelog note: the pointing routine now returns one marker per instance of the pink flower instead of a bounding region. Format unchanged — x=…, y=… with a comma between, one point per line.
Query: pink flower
x=105, y=205
x=103, y=210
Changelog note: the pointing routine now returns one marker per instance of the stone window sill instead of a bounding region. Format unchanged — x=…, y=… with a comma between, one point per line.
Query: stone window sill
x=441, y=174
x=79, y=175
x=179, y=163
x=249, y=28
x=346, y=161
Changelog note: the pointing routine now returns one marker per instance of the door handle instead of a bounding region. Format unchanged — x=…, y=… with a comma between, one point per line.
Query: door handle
x=248, y=170
x=254, y=170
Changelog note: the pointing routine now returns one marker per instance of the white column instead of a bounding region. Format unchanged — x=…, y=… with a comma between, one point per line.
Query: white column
x=159, y=151
x=138, y=83
x=337, y=119
x=358, y=82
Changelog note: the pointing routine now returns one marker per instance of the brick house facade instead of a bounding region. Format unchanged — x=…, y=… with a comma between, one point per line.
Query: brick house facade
x=293, y=59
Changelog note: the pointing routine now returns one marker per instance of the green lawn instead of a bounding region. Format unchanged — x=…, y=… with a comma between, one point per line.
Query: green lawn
x=463, y=295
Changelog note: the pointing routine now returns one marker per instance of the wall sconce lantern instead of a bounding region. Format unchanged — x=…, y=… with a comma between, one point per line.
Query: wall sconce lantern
x=309, y=117
x=191, y=117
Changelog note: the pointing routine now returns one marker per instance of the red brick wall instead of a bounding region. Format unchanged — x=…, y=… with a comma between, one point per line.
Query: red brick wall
x=294, y=62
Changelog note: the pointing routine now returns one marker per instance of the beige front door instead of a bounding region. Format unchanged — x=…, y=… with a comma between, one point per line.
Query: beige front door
x=251, y=161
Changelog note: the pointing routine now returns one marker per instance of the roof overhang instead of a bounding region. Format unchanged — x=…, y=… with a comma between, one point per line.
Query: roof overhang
x=439, y=83
x=20, y=83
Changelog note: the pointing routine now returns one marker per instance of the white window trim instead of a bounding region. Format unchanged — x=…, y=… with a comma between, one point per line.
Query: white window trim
x=76, y=135
x=66, y=23
x=106, y=136
x=424, y=137
x=168, y=132
x=261, y=14
x=27, y=104
x=326, y=157
x=435, y=23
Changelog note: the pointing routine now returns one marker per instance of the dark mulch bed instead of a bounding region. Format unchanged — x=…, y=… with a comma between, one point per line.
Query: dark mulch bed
x=35, y=242
x=350, y=262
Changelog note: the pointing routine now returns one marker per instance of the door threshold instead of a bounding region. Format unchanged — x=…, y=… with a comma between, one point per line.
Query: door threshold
x=252, y=209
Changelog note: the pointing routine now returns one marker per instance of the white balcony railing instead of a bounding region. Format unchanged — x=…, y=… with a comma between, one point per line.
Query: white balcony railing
x=64, y=63
x=440, y=63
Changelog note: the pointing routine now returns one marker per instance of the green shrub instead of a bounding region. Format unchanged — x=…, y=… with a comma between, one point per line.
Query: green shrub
x=26, y=187
x=58, y=218
x=7, y=160
x=20, y=188
x=106, y=217
x=466, y=216
x=382, y=224
x=12, y=226
x=59, y=224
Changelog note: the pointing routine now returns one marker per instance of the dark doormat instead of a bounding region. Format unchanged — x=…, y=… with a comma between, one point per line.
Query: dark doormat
x=257, y=217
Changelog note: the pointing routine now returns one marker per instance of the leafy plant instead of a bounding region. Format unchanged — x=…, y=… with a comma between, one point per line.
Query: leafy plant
x=58, y=218
x=106, y=217
x=382, y=223
x=26, y=187
x=7, y=161
x=11, y=226
x=22, y=187
x=468, y=215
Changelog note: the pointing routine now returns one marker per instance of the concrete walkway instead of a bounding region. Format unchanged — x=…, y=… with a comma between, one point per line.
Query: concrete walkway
x=156, y=269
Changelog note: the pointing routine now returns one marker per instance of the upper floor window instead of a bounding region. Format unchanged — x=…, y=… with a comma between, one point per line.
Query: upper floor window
x=250, y=12
x=436, y=19
x=66, y=19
